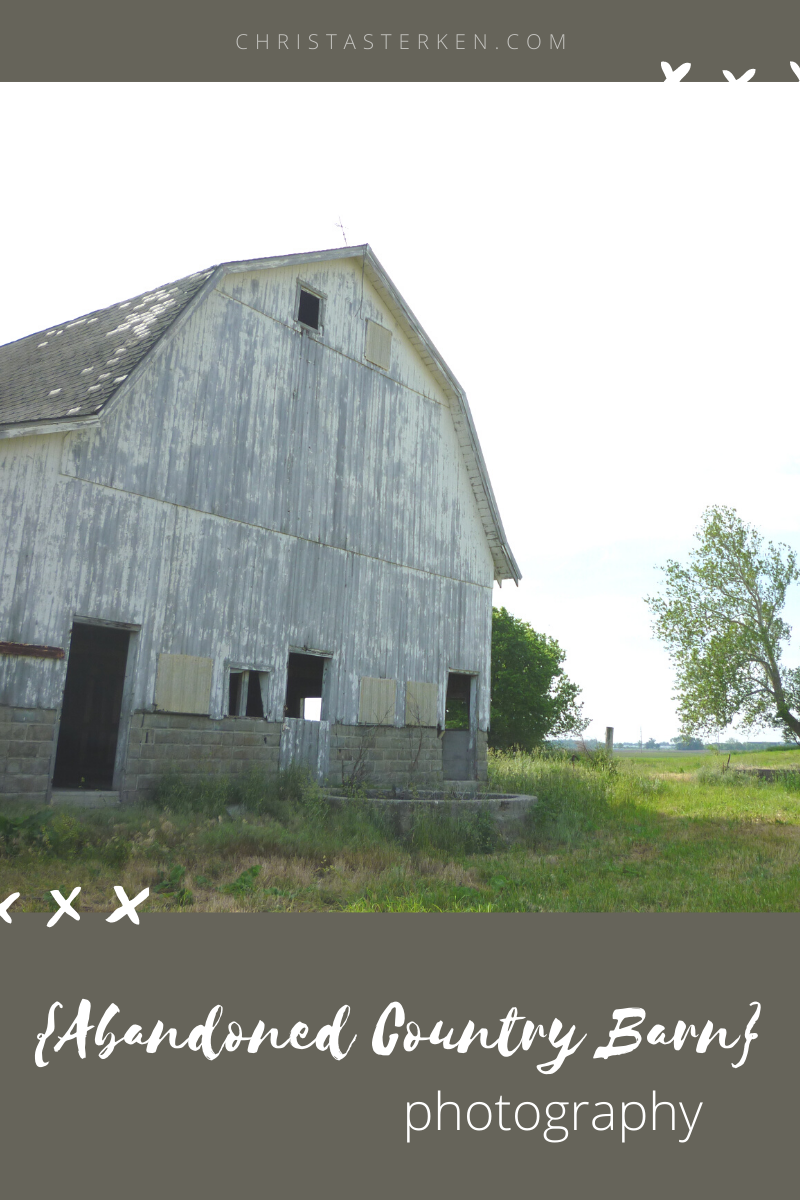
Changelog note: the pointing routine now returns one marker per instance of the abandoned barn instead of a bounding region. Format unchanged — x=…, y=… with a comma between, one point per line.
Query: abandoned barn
x=245, y=520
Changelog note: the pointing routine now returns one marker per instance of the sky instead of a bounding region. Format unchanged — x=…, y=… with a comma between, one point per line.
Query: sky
x=610, y=271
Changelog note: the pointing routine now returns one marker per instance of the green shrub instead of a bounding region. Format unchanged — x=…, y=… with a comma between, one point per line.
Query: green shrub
x=245, y=884
x=31, y=830
x=115, y=852
x=172, y=885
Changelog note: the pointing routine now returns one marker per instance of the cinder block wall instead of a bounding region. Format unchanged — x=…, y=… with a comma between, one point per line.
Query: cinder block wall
x=194, y=748
x=26, y=752
x=384, y=756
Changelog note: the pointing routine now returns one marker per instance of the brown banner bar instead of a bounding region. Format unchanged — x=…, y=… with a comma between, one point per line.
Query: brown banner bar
x=568, y=1105
x=572, y=40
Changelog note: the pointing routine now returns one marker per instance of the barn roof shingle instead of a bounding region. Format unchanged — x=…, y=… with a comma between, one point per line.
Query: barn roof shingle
x=73, y=369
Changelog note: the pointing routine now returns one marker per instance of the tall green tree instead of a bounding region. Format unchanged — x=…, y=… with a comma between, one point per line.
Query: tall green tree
x=532, y=698
x=720, y=619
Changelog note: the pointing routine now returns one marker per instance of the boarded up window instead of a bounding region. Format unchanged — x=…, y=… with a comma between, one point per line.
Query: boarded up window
x=183, y=683
x=376, y=706
x=379, y=345
x=422, y=704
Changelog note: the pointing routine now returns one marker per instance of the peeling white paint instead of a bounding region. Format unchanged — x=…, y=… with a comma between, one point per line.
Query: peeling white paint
x=258, y=489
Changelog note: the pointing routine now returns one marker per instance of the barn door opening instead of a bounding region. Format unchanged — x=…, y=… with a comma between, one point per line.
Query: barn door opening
x=458, y=739
x=91, y=707
x=305, y=737
x=304, y=680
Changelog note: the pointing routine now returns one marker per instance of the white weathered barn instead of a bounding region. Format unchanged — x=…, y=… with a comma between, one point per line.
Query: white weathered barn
x=245, y=519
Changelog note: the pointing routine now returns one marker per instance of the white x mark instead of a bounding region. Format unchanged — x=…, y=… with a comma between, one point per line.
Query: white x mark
x=64, y=906
x=6, y=905
x=677, y=75
x=128, y=906
x=748, y=75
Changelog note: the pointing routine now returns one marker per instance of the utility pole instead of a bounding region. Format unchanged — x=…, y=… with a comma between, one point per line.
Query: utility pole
x=609, y=740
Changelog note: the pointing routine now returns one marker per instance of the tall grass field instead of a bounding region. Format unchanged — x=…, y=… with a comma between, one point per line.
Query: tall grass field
x=691, y=833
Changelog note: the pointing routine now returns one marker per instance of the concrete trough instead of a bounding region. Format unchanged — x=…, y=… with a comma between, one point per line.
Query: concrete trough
x=403, y=808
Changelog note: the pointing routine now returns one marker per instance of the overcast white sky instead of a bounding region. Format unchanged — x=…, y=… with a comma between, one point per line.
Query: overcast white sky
x=611, y=271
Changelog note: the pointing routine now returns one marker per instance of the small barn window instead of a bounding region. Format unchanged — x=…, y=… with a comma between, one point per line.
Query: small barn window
x=379, y=345
x=247, y=693
x=234, y=693
x=309, y=307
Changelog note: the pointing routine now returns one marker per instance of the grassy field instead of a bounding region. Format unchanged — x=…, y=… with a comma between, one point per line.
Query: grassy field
x=672, y=834
x=658, y=761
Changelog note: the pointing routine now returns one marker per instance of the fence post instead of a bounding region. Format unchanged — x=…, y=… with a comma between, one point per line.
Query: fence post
x=609, y=739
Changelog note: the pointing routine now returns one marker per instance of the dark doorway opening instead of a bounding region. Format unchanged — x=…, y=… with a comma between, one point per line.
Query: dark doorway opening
x=90, y=710
x=458, y=757
x=457, y=704
x=303, y=682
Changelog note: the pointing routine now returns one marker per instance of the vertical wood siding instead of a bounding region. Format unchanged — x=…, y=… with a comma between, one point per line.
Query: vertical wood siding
x=259, y=490
x=306, y=744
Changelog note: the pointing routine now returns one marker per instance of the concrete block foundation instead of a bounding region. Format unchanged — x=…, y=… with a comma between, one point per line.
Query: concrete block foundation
x=27, y=750
x=195, y=747
x=385, y=756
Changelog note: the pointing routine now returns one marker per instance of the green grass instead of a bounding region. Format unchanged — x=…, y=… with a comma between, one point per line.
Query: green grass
x=621, y=838
x=780, y=758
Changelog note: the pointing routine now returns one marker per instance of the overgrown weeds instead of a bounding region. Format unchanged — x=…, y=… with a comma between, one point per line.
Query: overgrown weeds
x=597, y=840
x=572, y=798
x=454, y=833
x=279, y=796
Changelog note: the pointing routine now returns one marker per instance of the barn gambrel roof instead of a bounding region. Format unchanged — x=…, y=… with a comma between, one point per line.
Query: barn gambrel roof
x=72, y=370
x=69, y=376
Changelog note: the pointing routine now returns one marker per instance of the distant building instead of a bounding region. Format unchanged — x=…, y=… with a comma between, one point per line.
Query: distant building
x=245, y=520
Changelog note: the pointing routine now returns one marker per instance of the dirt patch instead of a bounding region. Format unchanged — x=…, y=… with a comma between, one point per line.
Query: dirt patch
x=777, y=829
x=642, y=852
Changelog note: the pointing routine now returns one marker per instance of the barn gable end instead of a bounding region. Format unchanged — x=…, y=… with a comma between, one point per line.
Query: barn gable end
x=284, y=494
x=241, y=417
